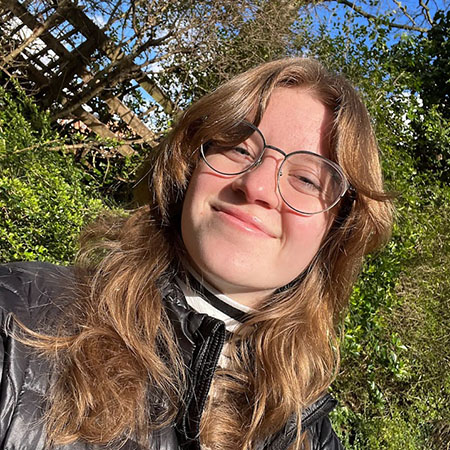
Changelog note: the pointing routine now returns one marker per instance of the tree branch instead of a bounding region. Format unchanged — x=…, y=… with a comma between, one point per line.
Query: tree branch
x=369, y=16
x=405, y=11
x=426, y=11
x=112, y=17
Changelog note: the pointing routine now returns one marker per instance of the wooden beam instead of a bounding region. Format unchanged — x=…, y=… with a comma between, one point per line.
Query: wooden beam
x=131, y=119
x=157, y=94
x=36, y=32
x=101, y=129
x=79, y=19
x=20, y=11
x=72, y=64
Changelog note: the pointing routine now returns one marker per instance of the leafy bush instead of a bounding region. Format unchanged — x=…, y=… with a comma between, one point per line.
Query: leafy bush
x=45, y=198
x=394, y=385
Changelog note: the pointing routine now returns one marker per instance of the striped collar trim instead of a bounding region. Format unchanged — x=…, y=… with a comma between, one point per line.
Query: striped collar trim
x=205, y=299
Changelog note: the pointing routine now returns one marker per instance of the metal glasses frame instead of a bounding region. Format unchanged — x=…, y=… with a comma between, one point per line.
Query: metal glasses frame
x=345, y=185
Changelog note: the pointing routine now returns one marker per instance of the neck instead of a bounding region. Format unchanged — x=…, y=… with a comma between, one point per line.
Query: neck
x=240, y=294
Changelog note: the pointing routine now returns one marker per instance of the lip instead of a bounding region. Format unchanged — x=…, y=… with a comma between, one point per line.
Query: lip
x=244, y=220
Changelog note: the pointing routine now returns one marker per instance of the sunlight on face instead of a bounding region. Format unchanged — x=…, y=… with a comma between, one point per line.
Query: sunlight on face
x=238, y=232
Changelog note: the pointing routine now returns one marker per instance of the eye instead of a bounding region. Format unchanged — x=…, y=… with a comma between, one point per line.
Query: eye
x=311, y=184
x=242, y=151
x=305, y=182
x=239, y=153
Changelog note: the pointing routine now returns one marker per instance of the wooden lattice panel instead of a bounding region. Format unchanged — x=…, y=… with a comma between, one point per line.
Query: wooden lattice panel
x=57, y=53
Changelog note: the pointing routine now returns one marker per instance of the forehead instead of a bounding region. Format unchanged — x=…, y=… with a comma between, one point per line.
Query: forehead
x=295, y=119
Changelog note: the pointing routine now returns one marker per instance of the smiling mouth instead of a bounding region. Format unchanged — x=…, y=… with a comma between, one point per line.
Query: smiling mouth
x=244, y=221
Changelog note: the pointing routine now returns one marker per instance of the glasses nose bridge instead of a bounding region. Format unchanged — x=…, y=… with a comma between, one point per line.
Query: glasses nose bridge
x=270, y=147
x=278, y=150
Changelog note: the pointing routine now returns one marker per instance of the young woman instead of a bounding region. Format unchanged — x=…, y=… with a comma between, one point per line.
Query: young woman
x=207, y=318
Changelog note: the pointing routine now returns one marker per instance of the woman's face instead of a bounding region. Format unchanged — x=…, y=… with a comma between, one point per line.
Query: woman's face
x=238, y=232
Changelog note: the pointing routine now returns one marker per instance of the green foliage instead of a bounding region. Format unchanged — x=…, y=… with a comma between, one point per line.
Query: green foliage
x=45, y=198
x=421, y=63
x=104, y=168
x=395, y=383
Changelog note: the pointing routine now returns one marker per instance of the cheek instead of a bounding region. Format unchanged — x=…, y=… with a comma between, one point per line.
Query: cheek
x=203, y=186
x=191, y=204
x=304, y=236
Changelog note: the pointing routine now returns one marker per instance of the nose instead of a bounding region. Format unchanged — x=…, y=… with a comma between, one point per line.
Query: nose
x=259, y=185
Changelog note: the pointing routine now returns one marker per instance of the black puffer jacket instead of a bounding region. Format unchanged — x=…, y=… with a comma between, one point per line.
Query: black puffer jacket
x=32, y=292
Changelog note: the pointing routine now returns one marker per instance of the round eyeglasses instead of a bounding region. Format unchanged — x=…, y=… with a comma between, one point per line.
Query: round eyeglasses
x=307, y=182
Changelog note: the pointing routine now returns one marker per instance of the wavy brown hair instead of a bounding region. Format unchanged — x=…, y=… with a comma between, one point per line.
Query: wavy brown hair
x=285, y=355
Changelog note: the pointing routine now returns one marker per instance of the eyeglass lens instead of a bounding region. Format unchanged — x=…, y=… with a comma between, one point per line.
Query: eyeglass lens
x=307, y=182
